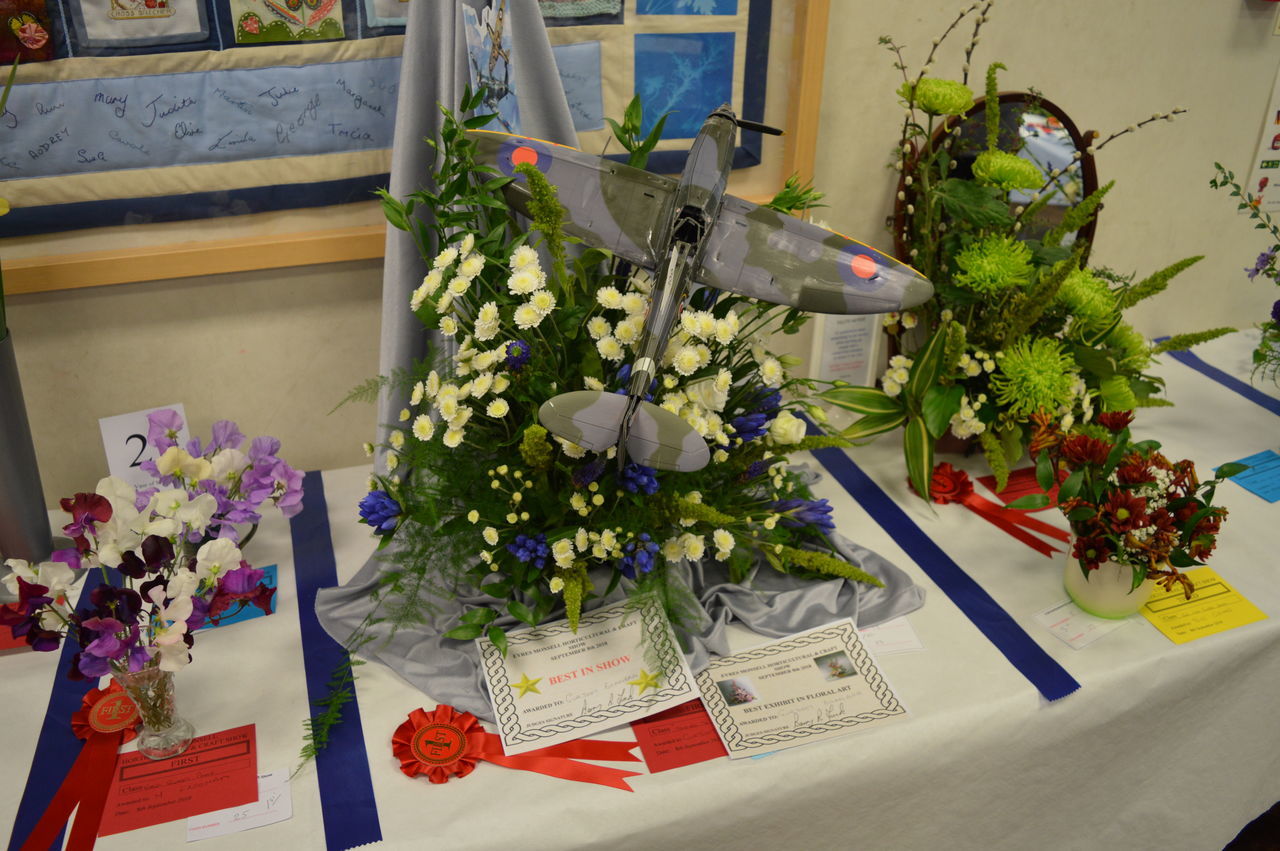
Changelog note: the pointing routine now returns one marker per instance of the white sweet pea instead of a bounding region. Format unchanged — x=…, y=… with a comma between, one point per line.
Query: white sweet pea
x=54, y=575
x=197, y=513
x=168, y=638
x=216, y=557
x=229, y=463
x=177, y=462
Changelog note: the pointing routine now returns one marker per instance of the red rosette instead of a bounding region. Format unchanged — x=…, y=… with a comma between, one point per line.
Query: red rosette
x=949, y=484
x=439, y=743
x=106, y=710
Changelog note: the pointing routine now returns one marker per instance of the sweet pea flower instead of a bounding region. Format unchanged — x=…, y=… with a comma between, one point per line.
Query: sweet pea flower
x=162, y=428
x=216, y=557
x=178, y=462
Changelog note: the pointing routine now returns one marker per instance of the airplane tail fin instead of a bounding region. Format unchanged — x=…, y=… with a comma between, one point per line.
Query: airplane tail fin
x=657, y=438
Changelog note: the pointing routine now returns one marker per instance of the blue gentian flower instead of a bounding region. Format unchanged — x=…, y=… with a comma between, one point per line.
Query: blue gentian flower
x=380, y=511
x=802, y=512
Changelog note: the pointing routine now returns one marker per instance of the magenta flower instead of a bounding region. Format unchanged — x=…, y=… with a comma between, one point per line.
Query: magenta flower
x=85, y=509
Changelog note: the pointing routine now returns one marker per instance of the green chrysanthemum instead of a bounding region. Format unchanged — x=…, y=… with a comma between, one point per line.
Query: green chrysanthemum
x=994, y=264
x=938, y=97
x=1116, y=394
x=1033, y=375
x=1133, y=352
x=1006, y=171
x=1089, y=300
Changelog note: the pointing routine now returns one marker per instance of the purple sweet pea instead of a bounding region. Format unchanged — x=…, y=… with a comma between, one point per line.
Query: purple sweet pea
x=70, y=557
x=263, y=449
x=163, y=428
x=241, y=582
x=226, y=435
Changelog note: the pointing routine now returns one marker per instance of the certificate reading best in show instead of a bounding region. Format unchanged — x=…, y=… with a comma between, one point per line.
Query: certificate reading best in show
x=812, y=685
x=555, y=685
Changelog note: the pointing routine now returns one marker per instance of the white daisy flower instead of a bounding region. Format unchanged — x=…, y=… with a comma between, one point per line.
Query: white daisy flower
x=628, y=330
x=444, y=258
x=609, y=297
x=481, y=385
x=634, y=303
x=415, y=398
x=453, y=437
x=771, y=372
x=459, y=285
x=432, y=384
x=448, y=326
x=524, y=257
x=424, y=428
x=490, y=536
x=573, y=450
x=486, y=331
x=524, y=282
x=444, y=301
x=432, y=281
x=543, y=301
x=391, y=460
x=472, y=265
x=396, y=439
x=598, y=326
x=501, y=383
x=527, y=316
x=609, y=348
x=562, y=552
x=497, y=408
x=468, y=243
x=686, y=361
x=418, y=297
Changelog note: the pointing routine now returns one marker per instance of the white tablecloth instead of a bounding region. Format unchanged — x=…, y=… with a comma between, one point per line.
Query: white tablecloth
x=1164, y=745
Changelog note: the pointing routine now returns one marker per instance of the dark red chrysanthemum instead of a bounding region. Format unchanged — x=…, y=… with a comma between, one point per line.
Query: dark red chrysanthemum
x=1091, y=551
x=1124, y=512
x=1115, y=421
x=1080, y=449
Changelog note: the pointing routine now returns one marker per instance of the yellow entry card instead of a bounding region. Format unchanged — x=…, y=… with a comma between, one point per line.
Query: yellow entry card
x=1214, y=607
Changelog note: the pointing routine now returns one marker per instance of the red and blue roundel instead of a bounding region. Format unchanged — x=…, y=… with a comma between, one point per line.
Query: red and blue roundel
x=518, y=150
x=862, y=268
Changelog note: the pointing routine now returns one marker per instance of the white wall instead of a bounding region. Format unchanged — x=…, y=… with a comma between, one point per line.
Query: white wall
x=272, y=350
x=275, y=350
x=1108, y=63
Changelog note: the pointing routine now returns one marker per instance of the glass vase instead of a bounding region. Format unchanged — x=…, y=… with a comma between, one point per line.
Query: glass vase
x=164, y=733
x=1107, y=591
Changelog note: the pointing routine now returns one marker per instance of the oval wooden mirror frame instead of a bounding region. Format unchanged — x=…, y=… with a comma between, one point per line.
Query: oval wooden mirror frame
x=1088, y=170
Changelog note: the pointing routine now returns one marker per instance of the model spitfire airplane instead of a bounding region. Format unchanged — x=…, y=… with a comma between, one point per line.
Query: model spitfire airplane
x=688, y=231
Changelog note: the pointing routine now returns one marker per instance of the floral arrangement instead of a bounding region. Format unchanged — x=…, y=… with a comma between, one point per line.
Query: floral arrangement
x=1266, y=357
x=478, y=495
x=168, y=554
x=1019, y=323
x=158, y=586
x=1124, y=500
x=240, y=482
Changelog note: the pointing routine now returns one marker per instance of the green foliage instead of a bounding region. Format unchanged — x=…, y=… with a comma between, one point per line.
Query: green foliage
x=796, y=196
x=1155, y=283
x=628, y=133
x=993, y=451
x=1182, y=342
x=1078, y=216
x=991, y=106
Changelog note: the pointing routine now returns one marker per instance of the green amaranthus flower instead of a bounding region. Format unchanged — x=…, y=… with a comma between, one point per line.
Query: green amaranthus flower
x=993, y=264
x=1090, y=301
x=1033, y=375
x=938, y=97
x=1006, y=170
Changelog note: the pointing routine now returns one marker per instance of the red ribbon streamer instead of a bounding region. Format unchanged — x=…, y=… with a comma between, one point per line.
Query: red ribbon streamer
x=447, y=743
x=106, y=720
x=949, y=485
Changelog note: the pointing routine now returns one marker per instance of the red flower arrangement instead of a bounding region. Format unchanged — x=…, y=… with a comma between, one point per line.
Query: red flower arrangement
x=1125, y=501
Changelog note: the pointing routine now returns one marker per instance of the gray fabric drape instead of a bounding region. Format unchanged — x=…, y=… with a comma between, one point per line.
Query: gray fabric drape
x=435, y=69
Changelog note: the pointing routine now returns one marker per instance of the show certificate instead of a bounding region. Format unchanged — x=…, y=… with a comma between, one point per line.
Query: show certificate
x=555, y=685
x=810, y=686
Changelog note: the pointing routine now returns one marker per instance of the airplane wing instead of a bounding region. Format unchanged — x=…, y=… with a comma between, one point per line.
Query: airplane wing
x=778, y=258
x=608, y=204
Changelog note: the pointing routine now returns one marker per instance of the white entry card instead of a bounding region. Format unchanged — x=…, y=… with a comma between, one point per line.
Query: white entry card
x=1074, y=625
x=555, y=685
x=810, y=686
x=275, y=803
x=125, y=439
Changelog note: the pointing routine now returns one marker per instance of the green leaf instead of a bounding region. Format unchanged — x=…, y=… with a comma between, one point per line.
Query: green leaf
x=1071, y=486
x=1030, y=502
x=1044, y=472
x=981, y=206
x=1084, y=512
x=939, y=406
x=465, y=632
x=477, y=121
x=1226, y=471
x=521, y=612
x=499, y=639
x=928, y=363
x=480, y=616
x=1179, y=558
x=861, y=400
x=873, y=424
x=917, y=448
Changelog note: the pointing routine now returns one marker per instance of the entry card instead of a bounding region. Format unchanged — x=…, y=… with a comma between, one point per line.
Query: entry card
x=811, y=686
x=1263, y=475
x=678, y=737
x=555, y=685
x=219, y=770
x=125, y=439
x=274, y=804
x=1214, y=606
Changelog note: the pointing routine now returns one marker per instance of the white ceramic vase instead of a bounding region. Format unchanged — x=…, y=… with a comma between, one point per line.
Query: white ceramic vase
x=1108, y=591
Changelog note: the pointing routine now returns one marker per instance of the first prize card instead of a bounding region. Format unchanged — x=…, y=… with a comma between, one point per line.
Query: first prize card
x=810, y=686
x=555, y=685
